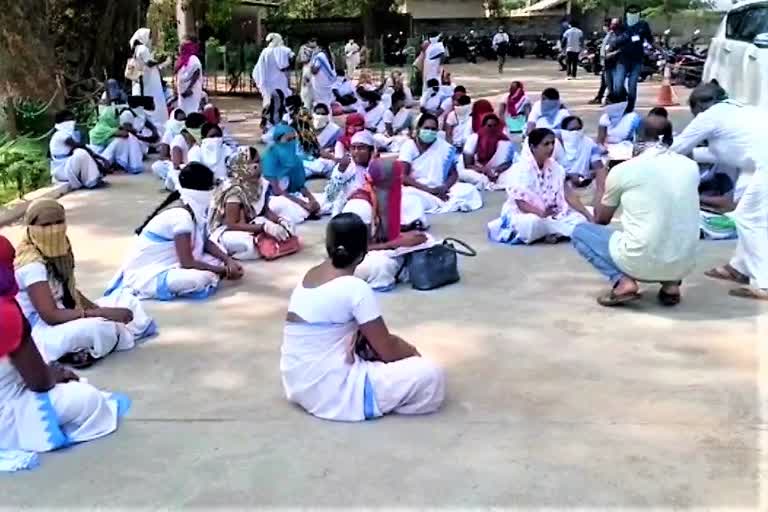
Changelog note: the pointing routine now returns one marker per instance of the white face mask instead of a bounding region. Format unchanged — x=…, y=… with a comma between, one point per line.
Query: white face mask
x=198, y=200
x=632, y=19
x=320, y=121
x=174, y=126
x=463, y=111
x=67, y=127
x=571, y=140
x=211, y=149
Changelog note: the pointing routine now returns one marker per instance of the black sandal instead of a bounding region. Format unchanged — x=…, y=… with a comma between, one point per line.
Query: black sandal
x=668, y=299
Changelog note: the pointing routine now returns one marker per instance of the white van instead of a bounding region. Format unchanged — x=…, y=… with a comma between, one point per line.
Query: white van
x=738, y=54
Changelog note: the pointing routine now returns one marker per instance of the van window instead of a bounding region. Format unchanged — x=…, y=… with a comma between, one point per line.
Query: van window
x=747, y=23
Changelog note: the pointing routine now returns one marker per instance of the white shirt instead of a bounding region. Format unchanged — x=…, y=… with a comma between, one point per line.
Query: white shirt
x=400, y=121
x=498, y=38
x=659, y=197
x=573, y=38
x=343, y=86
x=179, y=141
x=432, y=101
x=374, y=117
x=462, y=129
x=28, y=275
x=536, y=118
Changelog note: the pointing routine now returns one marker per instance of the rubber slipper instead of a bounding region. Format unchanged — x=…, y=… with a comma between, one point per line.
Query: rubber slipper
x=611, y=299
x=749, y=293
x=725, y=273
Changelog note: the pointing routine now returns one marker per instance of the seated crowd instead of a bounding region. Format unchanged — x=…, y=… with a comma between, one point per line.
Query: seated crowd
x=390, y=164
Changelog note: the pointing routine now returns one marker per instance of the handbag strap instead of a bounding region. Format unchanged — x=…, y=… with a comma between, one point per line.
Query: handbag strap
x=466, y=251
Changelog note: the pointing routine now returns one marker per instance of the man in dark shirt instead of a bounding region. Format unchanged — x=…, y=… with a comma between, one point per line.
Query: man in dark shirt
x=630, y=46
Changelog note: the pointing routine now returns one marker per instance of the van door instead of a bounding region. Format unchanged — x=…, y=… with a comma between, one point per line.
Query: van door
x=731, y=77
x=753, y=59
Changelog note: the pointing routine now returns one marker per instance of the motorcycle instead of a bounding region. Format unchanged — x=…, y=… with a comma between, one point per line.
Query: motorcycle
x=516, y=47
x=395, y=52
x=590, y=56
x=547, y=48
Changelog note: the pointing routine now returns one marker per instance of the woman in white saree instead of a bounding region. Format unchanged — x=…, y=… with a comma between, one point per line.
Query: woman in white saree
x=189, y=78
x=338, y=359
x=431, y=176
x=541, y=204
x=150, y=83
x=323, y=76
x=487, y=156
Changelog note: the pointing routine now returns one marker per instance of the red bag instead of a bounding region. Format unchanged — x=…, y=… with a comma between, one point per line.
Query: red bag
x=271, y=248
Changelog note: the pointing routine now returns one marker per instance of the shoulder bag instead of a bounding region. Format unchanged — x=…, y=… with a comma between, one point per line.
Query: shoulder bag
x=435, y=266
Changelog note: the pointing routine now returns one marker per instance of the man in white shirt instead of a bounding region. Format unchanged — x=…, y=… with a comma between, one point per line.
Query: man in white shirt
x=500, y=45
x=658, y=193
x=352, y=56
x=573, y=39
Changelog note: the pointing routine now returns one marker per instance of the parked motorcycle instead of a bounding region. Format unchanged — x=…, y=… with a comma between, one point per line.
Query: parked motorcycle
x=516, y=47
x=547, y=48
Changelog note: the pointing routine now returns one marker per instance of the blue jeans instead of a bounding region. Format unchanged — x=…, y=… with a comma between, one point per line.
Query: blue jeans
x=592, y=242
x=630, y=73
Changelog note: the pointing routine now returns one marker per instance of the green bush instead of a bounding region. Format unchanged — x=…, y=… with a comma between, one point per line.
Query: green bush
x=23, y=167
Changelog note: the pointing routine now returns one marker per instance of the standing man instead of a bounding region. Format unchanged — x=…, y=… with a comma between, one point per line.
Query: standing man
x=631, y=50
x=352, y=56
x=573, y=39
x=306, y=53
x=501, y=47
x=608, y=60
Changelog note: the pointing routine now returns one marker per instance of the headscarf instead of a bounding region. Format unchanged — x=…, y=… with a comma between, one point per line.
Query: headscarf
x=11, y=318
x=105, y=128
x=211, y=113
x=479, y=109
x=516, y=100
x=46, y=242
x=174, y=126
x=281, y=160
x=142, y=36
x=363, y=137
x=274, y=40
x=241, y=186
x=488, y=138
x=188, y=50
x=353, y=120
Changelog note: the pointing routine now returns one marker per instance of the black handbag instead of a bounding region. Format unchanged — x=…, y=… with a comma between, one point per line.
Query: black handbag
x=435, y=266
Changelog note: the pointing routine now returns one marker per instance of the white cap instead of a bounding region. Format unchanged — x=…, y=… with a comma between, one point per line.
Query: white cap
x=361, y=208
x=362, y=137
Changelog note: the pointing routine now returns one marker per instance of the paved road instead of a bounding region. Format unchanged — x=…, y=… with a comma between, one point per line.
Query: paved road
x=553, y=401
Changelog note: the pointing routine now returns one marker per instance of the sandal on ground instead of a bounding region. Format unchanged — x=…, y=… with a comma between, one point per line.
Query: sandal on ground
x=611, y=299
x=668, y=299
x=727, y=273
x=747, y=292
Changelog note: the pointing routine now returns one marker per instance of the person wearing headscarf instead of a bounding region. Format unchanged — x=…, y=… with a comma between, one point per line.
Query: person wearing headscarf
x=115, y=143
x=548, y=112
x=487, y=154
x=213, y=116
x=355, y=123
x=515, y=109
x=270, y=74
x=580, y=156
x=323, y=76
x=734, y=135
x=71, y=161
x=212, y=152
x=43, y=406
x=189, y=77
x=479, y=109
x=616, y=125
x=240, y=211
x=540, y=202
x=284, y=169
x=65, y=324
x=136, y=121
x=173, y=255
x=150, y=83
x=433, y=59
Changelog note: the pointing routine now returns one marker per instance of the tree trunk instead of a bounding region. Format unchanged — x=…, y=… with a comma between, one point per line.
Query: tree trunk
x=185, y=19
x=11, y=125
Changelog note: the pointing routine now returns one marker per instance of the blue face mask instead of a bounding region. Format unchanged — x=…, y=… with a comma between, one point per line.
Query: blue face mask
x=427, y=135
x=549, y=107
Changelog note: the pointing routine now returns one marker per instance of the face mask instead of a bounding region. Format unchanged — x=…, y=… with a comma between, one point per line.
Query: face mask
x=549, y=107
x=51, y=240
x=632, y=19
x=195, y=133
x=463, y=111
x=66, y=127
x=571, y=140
x=198, y=200
x=320, y=121
x=211, y=150
x=174, y=127
x=427, y=136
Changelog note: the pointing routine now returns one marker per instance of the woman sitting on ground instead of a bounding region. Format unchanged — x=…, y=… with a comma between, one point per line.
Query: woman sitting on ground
x=135, y=120
x=211, y=151
x=284, y=169
x=373, y=111
x=240, y=210
x=116, y=144
x=580, y=156
x=174, y=126
x=395, y=128
x=515, y=109
x=355, y=123
x=65, y=324
x=541, y=204
x=213, y=116
x=458, y=122
x=487, y=155
x=42, y=407
x=548, y=112
x=173, y=255
x=616, y=125
x=393, y=84
x=338, y=359
x=71, y=161
x=326, y=134
x=430, y=173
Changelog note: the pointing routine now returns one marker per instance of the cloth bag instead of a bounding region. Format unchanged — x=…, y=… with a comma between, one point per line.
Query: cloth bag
x=436, y=266
x=271, y=248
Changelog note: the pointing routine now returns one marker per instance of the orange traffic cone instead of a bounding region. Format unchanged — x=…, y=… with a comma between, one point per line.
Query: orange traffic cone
x=666, y=96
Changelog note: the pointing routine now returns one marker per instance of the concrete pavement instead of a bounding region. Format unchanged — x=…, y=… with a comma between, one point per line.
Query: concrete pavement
x=553, y=401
